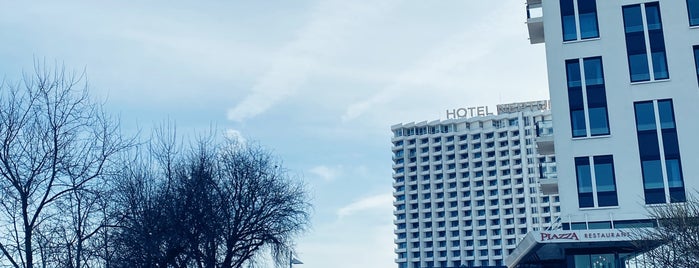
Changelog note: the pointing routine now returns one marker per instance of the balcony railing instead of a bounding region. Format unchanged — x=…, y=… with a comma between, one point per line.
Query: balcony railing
x=535, y=21
x=544, y=138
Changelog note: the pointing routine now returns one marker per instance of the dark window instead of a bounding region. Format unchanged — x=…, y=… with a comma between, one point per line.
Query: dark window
x=696, y=60
x=586, y=18
x=568, y=20
x=575, y=99
x=648, y=131
x=636, y=49
x=604, y=178
x=693, y=9
x=582, y=171
x=593, y=89
x=596, y=96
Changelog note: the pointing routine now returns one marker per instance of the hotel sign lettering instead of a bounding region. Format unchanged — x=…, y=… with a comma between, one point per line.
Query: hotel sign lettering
x=584, y=236
x=563, y=236
x=541, y=105
x=468, y=112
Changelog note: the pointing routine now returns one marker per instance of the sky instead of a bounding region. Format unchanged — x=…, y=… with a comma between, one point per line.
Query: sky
x=319, y=82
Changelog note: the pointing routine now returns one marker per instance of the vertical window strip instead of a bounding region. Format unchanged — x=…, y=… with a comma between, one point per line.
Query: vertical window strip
x=587, y=10
x=659, y=151
x=671, y=150
x=657, y=41
x=696, y=60
x=596, y=96
x=579, y=19
x=605, y=181
x=693, y=11
x=587, y=97
x=575, y=99
x=568, y=23
x=584, y=178
x=645, y=42
x=635, y=43
x=596, y=181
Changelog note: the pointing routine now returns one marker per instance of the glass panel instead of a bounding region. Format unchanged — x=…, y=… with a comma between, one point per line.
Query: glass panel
x=636, y=44
x=602, y=261
x=645, y=116
x=638, y=67
x=582, y=261
x=582, y=170
x=693, y=9
x=633, y=21
x=604, y=173
x=670, y=145
x=573, y=73
x=593, y=71
x=696, y=56
x=588, y=19
x=659, y=65
x=667, y=118
x=652, y=174
x=648, y=146
x=674, y=173
x=604, y=178
x=677, y=194
x=588, y=26
x=598, y=121
x=568, y=20
x=653, y=16
x=577, y=118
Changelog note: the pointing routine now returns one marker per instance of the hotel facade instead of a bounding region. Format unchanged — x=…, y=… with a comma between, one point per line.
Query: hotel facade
x=623, y=79
x=467, y=188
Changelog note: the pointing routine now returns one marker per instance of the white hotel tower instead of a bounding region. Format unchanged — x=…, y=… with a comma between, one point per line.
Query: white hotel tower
x=624, y=92
x=466, y=190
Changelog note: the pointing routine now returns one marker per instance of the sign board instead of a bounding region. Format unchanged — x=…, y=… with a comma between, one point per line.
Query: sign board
x=603, y=235
x=540, y=105
x=468, y=112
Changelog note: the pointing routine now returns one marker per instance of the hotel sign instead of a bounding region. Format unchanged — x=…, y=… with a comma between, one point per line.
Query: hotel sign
x=468, y=112
x=541, y=105
x=584, y=236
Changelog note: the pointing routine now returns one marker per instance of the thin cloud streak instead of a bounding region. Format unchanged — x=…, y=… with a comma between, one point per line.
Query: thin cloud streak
x=331, y=23
x=376, y=202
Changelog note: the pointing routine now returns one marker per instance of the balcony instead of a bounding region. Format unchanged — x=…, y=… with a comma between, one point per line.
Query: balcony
x=548, y=185
x=535, y=21
x=544, y=138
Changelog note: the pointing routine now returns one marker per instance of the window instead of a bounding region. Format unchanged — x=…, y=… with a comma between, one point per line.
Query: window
x=659, y=150
x=644, y=37
x=587, y=98
x=693, y=10
x=596, y=183
x=696, y=59
x=581, y=22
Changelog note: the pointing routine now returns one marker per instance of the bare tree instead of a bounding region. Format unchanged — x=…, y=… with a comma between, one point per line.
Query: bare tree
x=54, y=142
x=675, y=240
x=218, y=204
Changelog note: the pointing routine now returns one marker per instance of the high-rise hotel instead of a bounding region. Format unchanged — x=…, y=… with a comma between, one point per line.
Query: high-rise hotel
x=467, y=189
x=623, y=81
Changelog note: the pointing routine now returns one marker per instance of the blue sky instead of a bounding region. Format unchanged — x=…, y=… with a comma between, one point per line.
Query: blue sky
x=319, y=82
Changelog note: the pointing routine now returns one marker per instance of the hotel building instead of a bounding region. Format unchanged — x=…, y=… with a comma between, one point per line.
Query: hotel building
x=623, y=82
x=467, y=189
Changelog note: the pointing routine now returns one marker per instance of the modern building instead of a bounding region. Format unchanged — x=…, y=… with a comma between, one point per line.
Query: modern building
x=623, y=80
x=466, y=189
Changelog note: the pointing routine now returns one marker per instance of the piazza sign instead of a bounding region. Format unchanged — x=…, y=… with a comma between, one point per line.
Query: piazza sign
x=562, y=236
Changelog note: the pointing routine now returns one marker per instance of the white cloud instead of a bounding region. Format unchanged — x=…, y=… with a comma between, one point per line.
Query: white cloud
x=326, y=173
x=298, y=60
x=234, y=134
x=376, y=202
x=435, y=70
